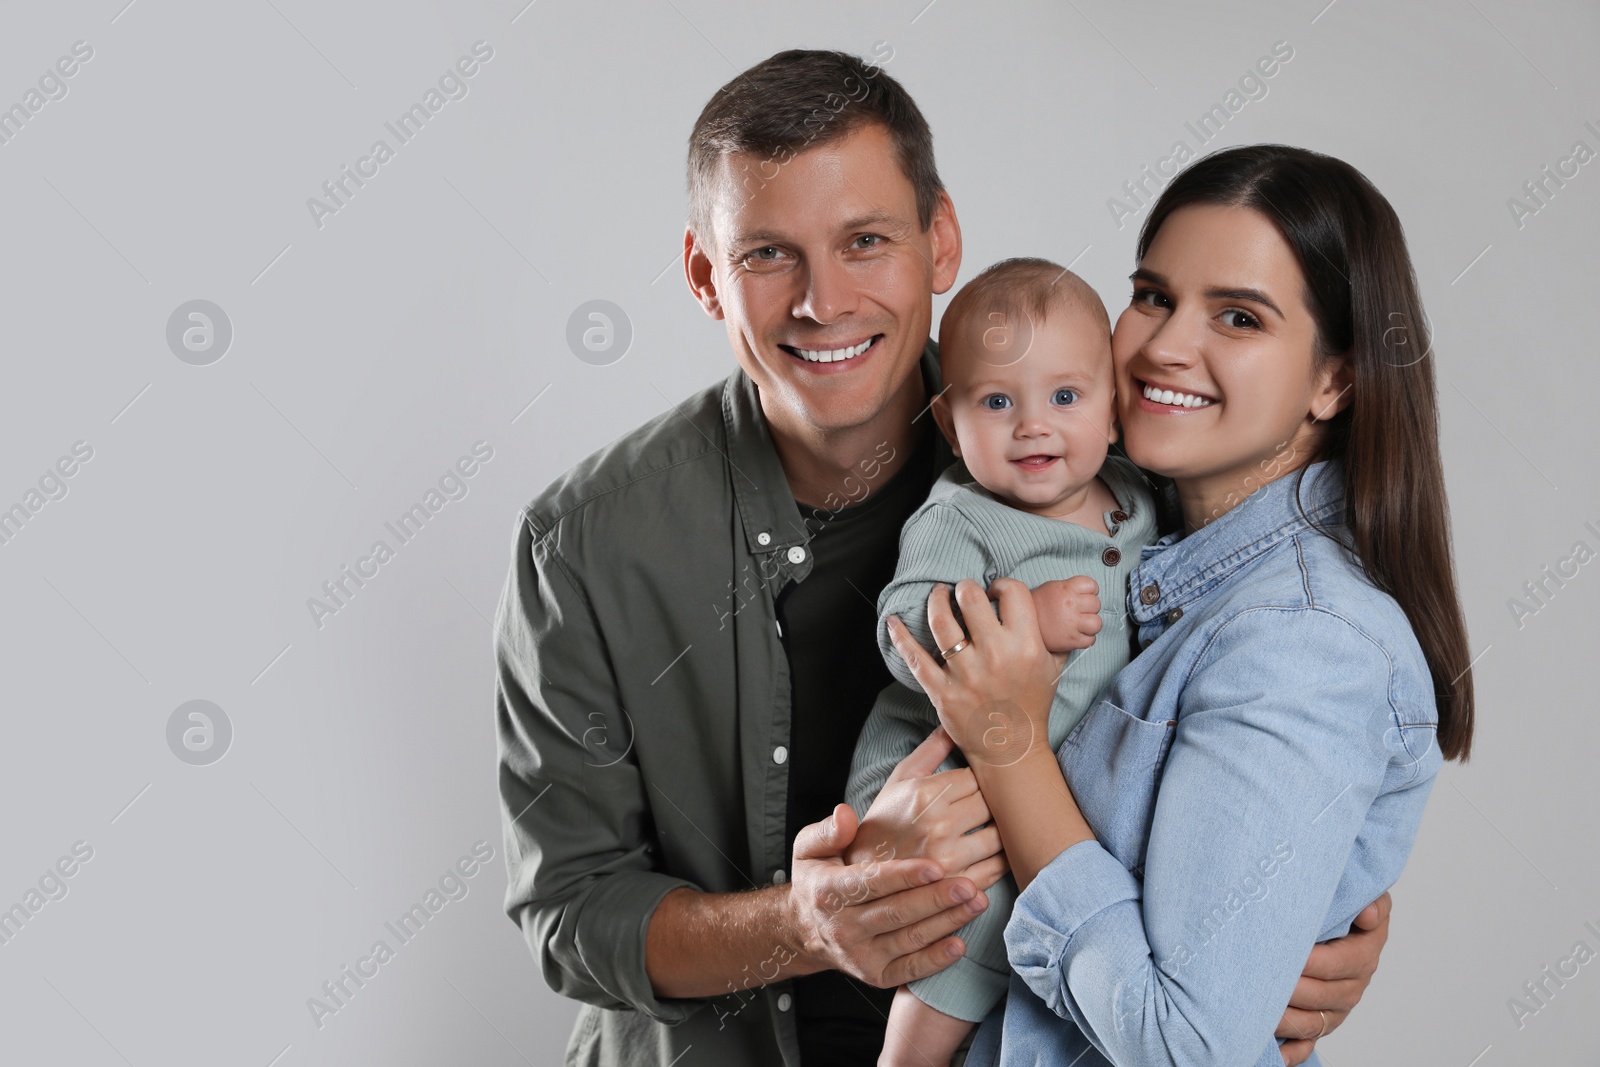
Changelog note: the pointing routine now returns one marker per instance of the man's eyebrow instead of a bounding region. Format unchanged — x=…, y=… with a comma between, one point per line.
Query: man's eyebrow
x=1219, y=293
x=758, y=237
x=870, y=220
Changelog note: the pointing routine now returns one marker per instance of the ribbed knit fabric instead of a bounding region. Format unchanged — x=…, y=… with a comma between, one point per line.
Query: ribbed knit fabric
x=964, y=532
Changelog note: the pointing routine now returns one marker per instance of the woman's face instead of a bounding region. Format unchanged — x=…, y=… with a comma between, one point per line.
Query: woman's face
x=1216, y=384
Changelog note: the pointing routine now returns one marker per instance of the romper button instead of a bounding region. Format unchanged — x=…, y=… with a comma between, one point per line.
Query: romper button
x=780, y=754
x=779, y=877
x=1150, y=593
x=1119, y=516
x=1111, y=557
x=763, y=538
x=1174, y=615
x=785, y=1001
x=797, y=554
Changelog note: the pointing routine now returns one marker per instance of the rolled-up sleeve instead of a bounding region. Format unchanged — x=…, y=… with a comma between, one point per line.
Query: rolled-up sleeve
x=1268, y=782
x=938, y=545
x=577, y=835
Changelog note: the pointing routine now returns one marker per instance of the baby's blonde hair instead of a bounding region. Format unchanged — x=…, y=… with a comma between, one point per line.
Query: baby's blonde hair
x=1017, y=287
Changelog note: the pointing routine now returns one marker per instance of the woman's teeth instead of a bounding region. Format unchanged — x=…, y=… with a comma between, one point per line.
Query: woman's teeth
x=834, y=355
x=1177, y=400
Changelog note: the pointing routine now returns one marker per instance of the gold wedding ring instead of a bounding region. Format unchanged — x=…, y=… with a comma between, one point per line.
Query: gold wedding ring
x=946, y=653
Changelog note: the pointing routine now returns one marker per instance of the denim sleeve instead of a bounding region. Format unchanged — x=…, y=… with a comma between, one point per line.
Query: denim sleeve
x=581, y=882
x=939, y=544
x=1277, y=755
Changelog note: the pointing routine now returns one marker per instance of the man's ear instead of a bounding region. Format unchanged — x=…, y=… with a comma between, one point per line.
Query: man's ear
x=944, y=233
x=947, y=424
x=698, y=271
x=1333, y=389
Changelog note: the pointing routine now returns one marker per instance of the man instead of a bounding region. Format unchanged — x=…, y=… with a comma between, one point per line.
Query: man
x=685, y=643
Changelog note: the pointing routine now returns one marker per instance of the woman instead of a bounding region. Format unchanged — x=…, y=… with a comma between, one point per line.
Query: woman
x=1257, y=774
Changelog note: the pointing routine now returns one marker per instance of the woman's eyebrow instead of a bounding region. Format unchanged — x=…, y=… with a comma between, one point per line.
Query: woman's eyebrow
x=1255, y=295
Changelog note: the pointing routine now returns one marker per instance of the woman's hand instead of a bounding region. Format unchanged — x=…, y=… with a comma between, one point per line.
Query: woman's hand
x=994, y=694
x=997, y=683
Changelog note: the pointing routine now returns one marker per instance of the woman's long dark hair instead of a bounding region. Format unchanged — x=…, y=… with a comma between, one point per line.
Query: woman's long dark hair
x=1362, y=293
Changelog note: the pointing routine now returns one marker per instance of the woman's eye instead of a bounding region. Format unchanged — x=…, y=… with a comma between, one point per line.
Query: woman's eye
x=996, y=402
x=1151, y=297
x=1064, y=397
x=1243, y=321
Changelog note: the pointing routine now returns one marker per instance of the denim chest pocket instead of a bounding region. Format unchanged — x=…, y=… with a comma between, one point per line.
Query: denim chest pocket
x=1113, y=762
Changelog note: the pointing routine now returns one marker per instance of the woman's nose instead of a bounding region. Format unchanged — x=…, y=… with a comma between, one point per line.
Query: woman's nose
x=1175, y=343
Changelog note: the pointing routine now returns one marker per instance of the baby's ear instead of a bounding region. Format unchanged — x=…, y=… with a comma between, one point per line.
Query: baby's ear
x=947, y=425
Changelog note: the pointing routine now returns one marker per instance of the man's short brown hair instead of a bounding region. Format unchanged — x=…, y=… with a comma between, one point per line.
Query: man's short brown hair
x=797, y=100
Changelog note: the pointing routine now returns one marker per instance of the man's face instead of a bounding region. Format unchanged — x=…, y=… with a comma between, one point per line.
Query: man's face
x=824, y=277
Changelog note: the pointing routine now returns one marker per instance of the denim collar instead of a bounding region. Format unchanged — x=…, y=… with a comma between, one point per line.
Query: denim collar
x=1177, y=571
x=760, y=488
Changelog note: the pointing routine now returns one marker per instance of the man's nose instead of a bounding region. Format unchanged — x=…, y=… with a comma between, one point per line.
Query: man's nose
x=830, y=293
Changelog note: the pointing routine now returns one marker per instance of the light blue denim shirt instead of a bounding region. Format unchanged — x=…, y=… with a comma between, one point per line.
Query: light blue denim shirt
x=1254, y=779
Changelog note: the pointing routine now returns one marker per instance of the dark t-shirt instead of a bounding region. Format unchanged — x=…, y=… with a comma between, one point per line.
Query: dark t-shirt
x=829, y=627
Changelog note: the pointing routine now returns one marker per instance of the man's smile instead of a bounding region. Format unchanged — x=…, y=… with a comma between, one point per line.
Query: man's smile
x=835, y=353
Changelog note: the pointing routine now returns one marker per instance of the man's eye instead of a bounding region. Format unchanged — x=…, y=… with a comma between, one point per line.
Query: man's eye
x=996, y=402
x=769, y=252
x=1245, y=320
x=1064, y=397
x=868, y=240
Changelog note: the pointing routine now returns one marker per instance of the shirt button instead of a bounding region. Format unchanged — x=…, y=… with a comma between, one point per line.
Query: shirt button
x=1119, y=516
x=763, y=538
x=1150, y=593
x=1111, y=557
x=779, y=876
x=1174, y=615
x=780, y=754
x=797, y=554
x=785, y=1002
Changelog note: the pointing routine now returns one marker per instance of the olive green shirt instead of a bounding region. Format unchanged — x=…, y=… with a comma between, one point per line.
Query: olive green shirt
x=643, y=710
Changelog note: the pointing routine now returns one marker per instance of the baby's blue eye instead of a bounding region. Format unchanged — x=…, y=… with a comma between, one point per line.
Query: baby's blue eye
x=996, y=401
x=1064, y=397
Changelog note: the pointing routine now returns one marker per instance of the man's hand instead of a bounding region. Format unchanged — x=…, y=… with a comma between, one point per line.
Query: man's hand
x=920, y=814
x=1069, y=613
x=886, y=921
x=1335, y=977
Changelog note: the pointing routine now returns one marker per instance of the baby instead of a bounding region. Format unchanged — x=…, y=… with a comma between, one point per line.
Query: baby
x=1025, y=352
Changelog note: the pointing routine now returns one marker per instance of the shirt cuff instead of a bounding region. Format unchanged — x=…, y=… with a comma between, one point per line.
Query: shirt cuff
x=608, y=945
x=1071, y=890
x=964, y=990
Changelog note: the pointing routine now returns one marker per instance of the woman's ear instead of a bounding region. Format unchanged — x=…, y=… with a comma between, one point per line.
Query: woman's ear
x=1334, y=382
x=697, y=270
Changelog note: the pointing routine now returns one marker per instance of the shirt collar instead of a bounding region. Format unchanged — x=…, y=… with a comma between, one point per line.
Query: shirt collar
x=1178, y=570
x=767, y=509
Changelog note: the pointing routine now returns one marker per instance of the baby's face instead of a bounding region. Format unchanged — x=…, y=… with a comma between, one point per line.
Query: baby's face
x=1033, y=429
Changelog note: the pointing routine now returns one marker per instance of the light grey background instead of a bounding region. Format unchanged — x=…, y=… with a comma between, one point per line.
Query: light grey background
x=431, y=311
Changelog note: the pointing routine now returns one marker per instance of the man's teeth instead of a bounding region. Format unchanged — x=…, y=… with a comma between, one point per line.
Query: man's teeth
x=1179, y=400
x=834, y=355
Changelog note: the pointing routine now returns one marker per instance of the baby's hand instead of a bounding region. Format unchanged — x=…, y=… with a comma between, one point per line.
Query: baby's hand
x=1069, y=613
